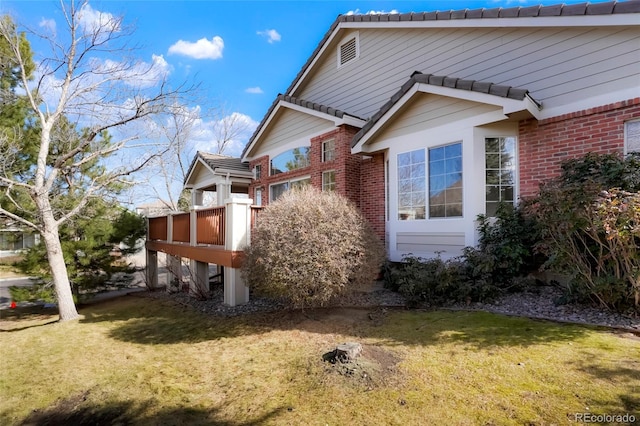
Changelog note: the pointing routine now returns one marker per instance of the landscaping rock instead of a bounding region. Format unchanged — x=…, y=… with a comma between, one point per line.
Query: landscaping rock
x=539, y=303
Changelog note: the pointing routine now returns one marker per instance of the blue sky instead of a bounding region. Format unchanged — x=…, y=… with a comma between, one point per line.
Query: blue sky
x=242, y=52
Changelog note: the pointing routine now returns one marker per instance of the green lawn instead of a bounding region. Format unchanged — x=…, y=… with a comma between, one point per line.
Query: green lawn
x=145, y=361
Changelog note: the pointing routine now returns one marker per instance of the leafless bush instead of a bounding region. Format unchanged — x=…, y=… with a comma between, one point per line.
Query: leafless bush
x=309, y=247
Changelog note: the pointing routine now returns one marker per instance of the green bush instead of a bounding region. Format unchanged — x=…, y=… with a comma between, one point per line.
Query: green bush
x=590, y=234
x=309, y=247
x=506, y=245
x=504, y=254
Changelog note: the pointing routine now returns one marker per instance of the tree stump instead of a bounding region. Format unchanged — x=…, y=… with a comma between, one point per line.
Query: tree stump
x=345, y=352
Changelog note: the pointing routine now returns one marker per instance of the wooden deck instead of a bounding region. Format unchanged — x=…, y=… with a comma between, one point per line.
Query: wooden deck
x=198, y=235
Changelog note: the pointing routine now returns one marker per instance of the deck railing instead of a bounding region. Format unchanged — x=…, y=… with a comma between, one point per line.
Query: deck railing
x=158, y=228
x=210, y=226
x=181, y=227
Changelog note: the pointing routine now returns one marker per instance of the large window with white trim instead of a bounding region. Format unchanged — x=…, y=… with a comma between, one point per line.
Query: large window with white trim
x=445, y=181
x=293, y=159
x=411, y=185
x=500, y=172
x=277, y=189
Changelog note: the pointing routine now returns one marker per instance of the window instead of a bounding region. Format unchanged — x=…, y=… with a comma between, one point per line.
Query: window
x=500, y=172
x=411, y=185
x=632, y=136
x=296, y=158
x=258, y=200
x=329, y=180
x=445, y=181
x=329, y=150
x=257, y=172
x=277, y=189
x=348, y=50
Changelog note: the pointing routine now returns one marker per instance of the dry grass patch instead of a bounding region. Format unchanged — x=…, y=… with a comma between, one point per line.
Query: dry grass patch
x=145, y=361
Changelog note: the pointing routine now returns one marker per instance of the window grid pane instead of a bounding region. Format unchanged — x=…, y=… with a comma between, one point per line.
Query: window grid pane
x=329, y=181
x=328, y=150
x=500, y=155
x=632, y=135
x=445, y=181
x=411, y=185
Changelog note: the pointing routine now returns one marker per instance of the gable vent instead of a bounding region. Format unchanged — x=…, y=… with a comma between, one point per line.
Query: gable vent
x=348, y=51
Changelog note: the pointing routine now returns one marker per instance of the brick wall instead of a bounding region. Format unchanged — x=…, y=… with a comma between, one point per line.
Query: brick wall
x=372, y=192
x=545, y=144
x=360, y=180
x=345, y=165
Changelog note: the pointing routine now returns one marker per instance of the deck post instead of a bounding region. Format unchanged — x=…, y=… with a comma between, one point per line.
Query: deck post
x=175, y=268
x=237, y=224
x=152, y=269
x=199, y=277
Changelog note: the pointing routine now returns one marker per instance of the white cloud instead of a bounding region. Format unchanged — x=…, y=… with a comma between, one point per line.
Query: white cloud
x=201, y=49
x=92, y=21
x=255, y=90
x=372, y=12
x=205, y=133
x=270, y=35
x=49, y=25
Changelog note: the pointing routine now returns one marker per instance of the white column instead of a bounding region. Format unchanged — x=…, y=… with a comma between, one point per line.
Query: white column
x=237, y=223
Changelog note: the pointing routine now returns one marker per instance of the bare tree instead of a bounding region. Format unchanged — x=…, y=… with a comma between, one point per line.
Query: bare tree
x=90, y=103
x=186, y=130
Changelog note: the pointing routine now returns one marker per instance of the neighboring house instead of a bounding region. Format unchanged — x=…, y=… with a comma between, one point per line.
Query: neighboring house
x=155, y=208
x=14, y=238
x=426, y=120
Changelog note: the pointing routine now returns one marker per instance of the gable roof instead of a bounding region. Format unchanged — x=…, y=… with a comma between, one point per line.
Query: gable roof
x=218, y=164
x=312, y=107
x=481, y=87
x=495, y=16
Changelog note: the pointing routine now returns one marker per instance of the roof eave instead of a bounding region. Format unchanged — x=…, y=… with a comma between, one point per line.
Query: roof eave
x=337, y=121
x=509, y=106
x=187, y=184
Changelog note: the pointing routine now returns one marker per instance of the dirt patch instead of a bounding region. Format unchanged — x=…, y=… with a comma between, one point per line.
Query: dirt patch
x=375, y=367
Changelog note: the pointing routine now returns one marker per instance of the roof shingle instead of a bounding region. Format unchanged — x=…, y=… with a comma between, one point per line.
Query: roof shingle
x=435, y=80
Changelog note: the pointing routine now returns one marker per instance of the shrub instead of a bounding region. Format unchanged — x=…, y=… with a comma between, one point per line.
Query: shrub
x=438, y=282
x=590, y=228
x=506, y=245
x=309, y=247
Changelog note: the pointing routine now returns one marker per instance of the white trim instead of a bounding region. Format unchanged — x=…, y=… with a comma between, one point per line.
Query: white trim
x=592, y=102
x=509, y=106
x=191, y=171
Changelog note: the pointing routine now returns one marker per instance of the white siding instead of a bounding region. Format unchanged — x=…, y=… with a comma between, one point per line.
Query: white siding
x=430, y=242
x=429, y=111
x=559, y=66
x=290, y=127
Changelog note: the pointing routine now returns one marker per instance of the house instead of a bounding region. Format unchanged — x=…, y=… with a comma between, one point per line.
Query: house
x=14, y=238
x=426, y=120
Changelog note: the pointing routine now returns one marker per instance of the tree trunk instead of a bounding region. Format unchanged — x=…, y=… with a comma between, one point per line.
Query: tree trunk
x=64, y=296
